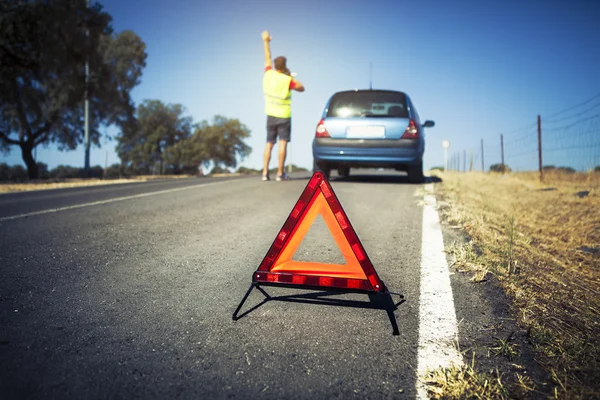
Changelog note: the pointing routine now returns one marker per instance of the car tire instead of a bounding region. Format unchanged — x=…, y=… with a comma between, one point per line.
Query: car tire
x=415, y=173
x=324, y=168
x=343, y=172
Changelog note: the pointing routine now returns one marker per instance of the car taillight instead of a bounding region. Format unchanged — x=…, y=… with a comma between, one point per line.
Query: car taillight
x=412, y=131
x=321, y=131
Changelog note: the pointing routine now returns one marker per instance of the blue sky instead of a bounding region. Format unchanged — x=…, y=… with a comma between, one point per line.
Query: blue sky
x=478, y=68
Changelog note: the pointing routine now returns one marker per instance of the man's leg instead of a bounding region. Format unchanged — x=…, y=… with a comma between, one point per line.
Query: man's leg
x=285, y=134
x=271, y=139
x=282, y=153
x=267, y=158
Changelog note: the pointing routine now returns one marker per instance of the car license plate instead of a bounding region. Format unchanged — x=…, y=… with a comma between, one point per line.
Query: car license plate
x=365, y=131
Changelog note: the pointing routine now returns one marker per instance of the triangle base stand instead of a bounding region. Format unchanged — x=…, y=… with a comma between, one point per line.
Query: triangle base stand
x=377, y=300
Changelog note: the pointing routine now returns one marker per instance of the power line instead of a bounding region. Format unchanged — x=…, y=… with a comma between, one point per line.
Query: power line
x=572, y=116
x=509, y=155
x=575, y=106
x=524, y=128
x=573, y=124
x=593, y=146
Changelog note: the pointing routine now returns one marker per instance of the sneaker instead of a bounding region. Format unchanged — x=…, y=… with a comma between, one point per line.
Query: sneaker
x=266, y=178
x=283, y=177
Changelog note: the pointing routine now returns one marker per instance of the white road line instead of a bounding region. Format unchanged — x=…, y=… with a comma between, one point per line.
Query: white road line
x=438, y=330
x=96, y=203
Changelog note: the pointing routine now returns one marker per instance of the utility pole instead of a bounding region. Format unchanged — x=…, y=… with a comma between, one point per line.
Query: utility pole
x=539, y=121
x=502, y=151
x=464, y=161
x=86, y=140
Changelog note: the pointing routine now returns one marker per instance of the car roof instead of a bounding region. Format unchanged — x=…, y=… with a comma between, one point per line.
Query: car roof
x=370, y=90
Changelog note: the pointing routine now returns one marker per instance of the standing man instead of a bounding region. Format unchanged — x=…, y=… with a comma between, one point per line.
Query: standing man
x=277, y=86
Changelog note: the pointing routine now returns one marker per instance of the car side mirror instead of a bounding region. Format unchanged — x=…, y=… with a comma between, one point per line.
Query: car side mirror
x=428, y=124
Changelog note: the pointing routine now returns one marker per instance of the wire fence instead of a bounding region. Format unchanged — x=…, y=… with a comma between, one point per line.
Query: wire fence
x=568, y=139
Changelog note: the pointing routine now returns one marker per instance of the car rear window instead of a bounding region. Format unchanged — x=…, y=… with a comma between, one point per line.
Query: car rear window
x=368, y=104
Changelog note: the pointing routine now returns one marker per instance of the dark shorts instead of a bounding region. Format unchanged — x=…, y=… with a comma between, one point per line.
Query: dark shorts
x=278, y=127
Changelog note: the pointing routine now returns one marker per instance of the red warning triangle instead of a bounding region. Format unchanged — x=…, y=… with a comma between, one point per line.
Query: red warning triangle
x=278, y=266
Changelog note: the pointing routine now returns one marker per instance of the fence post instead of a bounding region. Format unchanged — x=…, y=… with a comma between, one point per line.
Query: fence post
x=539, y=123
x=471, y=163
x=482, y=163
x=502, y=151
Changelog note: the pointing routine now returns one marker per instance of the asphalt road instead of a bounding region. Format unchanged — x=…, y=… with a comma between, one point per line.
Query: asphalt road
x=127, y=291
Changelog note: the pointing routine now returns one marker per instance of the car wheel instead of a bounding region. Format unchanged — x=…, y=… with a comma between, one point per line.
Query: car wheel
x=415, y=173
x=344, y=172
x=324, y=168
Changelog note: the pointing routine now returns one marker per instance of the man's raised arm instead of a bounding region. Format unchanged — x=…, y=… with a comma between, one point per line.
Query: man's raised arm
x=266, y=39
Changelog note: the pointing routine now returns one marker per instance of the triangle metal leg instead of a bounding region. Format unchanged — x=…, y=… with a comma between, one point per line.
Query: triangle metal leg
x=235, y=316
x=237, y=310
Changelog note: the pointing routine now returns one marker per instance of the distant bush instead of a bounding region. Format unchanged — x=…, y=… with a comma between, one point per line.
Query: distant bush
x=247, y=171
x=68, y=172
x=19, y=174
x=568, y=170
x=597, y=169
x=219, y=170
x=95, y=172
x=113, y=172
x=4, y=172
x=64, y=172
x=16, y=173
x=438, y=168
x=499, y=168
x=295, y=168
x=548, y=167
x=190, y=170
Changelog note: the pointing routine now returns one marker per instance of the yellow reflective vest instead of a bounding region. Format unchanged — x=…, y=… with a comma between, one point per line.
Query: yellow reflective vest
x=278, y=97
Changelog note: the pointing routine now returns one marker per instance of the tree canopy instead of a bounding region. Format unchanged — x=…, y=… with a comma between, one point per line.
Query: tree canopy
x=160, y=139
x=220, y=143
x=43, y=51
x=156, y=129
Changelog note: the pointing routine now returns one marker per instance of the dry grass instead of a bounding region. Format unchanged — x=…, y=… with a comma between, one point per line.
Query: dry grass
x=69, y=183
x=542, y=240
x=464, y=382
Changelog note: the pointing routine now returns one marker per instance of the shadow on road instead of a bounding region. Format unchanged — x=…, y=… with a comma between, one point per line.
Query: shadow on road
x=368, y=178
x=391, y=179
x=377, y=301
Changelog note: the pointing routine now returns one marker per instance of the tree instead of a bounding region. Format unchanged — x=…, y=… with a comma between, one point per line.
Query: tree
x=220, y=143
x=43, y=52
x=157, y=127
